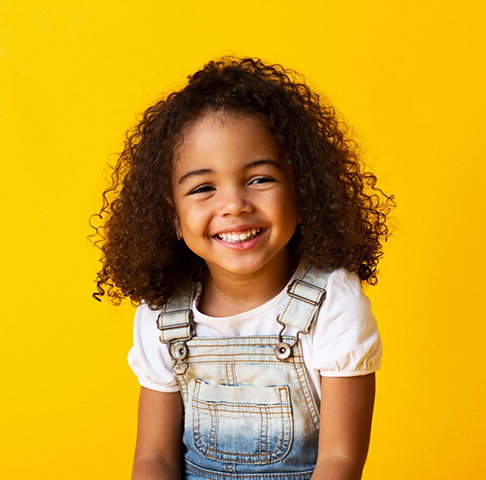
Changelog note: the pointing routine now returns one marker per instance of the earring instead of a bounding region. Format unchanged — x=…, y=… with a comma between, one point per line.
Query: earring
x=179, y=235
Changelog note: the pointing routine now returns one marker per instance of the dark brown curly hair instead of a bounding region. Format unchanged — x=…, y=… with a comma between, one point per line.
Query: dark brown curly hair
x=342, y=212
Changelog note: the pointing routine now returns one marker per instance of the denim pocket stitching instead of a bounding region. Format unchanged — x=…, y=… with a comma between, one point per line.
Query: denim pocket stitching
x=263, y=412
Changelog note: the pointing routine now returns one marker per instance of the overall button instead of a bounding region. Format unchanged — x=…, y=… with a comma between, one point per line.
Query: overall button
x=282, y=351
x=179, y=351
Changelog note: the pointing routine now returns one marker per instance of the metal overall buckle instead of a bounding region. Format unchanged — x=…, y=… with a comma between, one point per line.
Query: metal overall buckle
x=178, y=348
x=284, y=349
x=321, y=295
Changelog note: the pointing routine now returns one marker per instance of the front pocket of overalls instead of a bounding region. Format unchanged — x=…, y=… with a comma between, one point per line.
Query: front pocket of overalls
x=242, y=424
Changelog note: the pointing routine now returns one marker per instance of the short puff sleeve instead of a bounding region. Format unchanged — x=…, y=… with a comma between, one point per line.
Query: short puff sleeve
x=345, y=338
x=149, y=358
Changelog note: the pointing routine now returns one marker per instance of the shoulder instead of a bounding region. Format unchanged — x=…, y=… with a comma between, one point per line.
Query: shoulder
x=346, y=339
x=343, y=289
x=145, y=324
x=345, y=284
x=149, y=358
x=345, y=298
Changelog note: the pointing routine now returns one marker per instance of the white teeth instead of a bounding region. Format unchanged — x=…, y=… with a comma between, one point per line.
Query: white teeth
x=234, y=237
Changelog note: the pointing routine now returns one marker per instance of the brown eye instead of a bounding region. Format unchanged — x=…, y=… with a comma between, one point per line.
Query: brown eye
x=201, y=189
x=259, y=180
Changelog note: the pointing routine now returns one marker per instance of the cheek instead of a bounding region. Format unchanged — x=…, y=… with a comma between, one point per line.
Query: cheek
x=192, y=218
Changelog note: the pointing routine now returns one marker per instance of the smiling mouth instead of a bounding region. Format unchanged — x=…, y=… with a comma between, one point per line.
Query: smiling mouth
x=239, y=237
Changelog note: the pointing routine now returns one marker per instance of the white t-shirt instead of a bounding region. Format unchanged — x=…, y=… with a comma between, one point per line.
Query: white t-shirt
x=343, y=342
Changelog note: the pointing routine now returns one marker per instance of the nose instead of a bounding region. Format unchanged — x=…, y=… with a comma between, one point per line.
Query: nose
x=235, y=202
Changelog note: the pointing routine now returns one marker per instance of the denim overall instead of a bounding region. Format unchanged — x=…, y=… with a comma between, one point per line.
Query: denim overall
x=248, y=407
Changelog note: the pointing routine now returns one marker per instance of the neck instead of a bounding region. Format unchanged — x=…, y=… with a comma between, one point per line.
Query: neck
x=225, y=294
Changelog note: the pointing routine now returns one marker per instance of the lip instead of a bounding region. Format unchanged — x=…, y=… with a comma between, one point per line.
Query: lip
x=244, y=245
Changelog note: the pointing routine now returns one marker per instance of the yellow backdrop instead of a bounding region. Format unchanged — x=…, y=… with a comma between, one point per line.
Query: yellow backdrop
x=75, y=74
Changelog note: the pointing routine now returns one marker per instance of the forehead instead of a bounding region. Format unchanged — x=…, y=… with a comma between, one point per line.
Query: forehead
x=221, y=135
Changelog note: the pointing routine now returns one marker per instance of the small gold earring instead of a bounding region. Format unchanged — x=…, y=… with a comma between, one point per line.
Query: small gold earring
x=178, y=233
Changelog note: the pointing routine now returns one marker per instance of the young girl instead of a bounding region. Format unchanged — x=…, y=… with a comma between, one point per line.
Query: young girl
x=241, y=222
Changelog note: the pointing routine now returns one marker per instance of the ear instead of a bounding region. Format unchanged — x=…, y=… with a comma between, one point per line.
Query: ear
x=177, y=227
x=298, y=217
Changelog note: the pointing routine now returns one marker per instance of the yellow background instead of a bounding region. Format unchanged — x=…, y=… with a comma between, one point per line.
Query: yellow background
x=74, y=75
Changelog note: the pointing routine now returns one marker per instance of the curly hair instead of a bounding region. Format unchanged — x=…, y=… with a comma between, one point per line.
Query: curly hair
x=342, y=212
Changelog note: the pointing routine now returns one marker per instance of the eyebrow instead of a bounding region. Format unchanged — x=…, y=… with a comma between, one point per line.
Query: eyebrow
x=194, y=173
x=256, y=163
x=263, y=161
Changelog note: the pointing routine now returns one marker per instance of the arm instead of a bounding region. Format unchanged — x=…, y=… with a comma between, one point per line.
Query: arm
x=158, y=450
x=345, y=427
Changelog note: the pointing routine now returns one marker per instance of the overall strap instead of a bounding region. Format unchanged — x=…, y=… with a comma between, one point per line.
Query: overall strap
x=306, y=296
x=176, y=325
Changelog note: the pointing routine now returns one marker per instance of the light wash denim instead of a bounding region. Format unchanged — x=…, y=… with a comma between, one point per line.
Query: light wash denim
x=247, y=413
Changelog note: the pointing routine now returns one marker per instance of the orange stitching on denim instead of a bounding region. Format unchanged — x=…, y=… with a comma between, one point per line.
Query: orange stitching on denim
x=261, y=340
x=216, y=428
x=283, y=411
x=264, y=354
x=235, y=360
x=301, y=367
x=274, y=410
x=232, y=373
x=260, y=438
x=228, y=377
x=308, y=395
x=280, y=390
x=310, y=398
x=181, y=381
x=264, y=436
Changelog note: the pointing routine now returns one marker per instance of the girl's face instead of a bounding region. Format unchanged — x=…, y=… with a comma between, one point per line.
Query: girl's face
x=234, y=195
